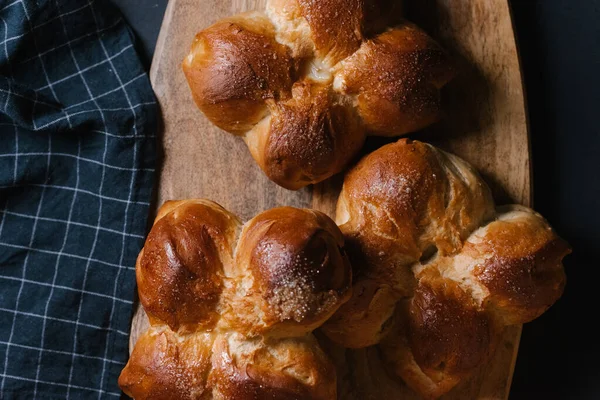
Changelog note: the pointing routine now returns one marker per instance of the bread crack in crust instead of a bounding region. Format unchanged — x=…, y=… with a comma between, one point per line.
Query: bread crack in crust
x=232, y=307
x=307, y=80
x=438, y=271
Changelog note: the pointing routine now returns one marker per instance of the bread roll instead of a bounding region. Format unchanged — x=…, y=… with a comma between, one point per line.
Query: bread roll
x=307, y=80
x=438, y=270
x=232, y=307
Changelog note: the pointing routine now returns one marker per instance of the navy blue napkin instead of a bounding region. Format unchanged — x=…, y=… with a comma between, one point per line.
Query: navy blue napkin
x=78, y=121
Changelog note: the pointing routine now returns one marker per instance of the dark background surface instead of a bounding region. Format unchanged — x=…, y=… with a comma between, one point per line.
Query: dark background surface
x=559, y=42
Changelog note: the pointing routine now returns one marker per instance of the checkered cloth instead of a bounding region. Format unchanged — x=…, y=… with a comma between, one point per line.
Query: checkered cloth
x=77, y=152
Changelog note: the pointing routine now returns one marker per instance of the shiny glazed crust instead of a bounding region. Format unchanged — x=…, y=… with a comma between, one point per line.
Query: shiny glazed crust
x=231, y=317
x=437, y=270
x=303, y=95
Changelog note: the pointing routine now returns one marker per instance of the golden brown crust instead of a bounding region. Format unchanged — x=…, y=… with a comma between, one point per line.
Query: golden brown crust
x=366, y=318
x=400, y=186
x=202, y=366
x=296, y=277
x=418, y=196
x=334, y=44
x=310, y=137
x=163, y=368
x=279, y=369
x=448, y=332
x=236, y=327
x=524, y=274
x=441, y=337
x=438, y=271
x=179, y=271
x=257, y=68
x=305, y=82
x=397, y=77
x=397, y=205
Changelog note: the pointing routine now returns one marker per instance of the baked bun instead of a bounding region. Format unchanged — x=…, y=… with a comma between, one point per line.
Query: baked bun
x=303, y=95
x=231, y=318
x=438, y=271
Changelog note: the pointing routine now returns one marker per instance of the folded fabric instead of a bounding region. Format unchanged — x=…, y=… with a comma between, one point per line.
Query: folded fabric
x=78, y=121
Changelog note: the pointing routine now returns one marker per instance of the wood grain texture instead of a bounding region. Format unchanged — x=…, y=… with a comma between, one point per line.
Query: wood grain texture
x=484, y=122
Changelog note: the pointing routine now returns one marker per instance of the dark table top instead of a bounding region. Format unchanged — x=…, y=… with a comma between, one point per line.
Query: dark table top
x=559, y=42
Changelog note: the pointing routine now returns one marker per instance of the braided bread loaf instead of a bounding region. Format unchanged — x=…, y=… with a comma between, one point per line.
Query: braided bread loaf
x=231, y=318
x=437, y=271
x=306, y=81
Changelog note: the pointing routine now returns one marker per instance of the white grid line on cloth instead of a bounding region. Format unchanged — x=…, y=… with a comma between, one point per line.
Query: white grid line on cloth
x=10, y=338
x=76, y=190
x=20, y=378
x=84, y=102
x=10, y=5
x=62, y=248
x=17, y=150
x=87, y=266
x=57, y=220
x=126, y=136
x=148, y=103
x=90, y=160
x=5, y=41
x=121, y=87
x=131, y=184
x=3, y=217
x=117, y=22
x=12, y=329
x=46, y=22
x=17, y=144
x=6, y=46
x=60, y=252
x=107, y=296
x=144, y=203
x=66, y=353
x=13, y=125
x=5, y=366
x=79, y=72
x=96, y=110
x=52, y=287
x=45, y=318
x=16, y=155
x=11, y=93
x=115, y=109
x=66, y=321
x=15, y=168
x=39, y=56
x=17, y=246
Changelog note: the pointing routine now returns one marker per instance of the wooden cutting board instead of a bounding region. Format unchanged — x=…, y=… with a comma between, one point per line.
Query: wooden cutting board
x=485, y=123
